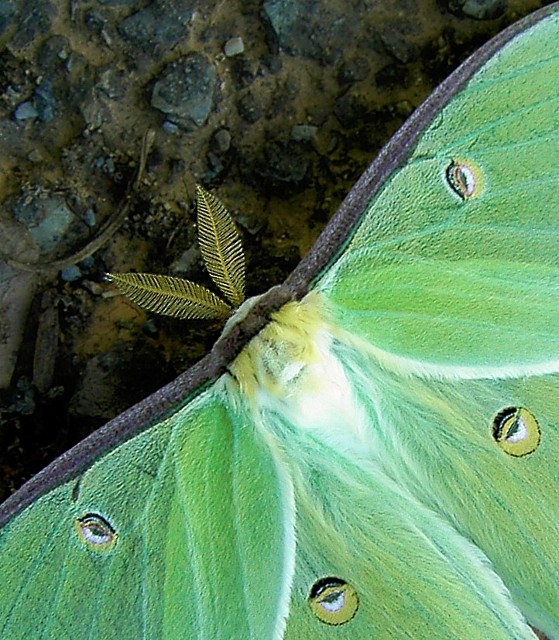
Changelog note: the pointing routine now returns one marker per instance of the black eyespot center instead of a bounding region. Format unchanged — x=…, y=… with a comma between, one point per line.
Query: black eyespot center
x=320, y=585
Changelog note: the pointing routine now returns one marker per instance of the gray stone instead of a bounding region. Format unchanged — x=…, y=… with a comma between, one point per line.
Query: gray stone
x=8, y=12
x=162, y=24
x=303, y=132
x=42, y=106
x=52, y=55
x=222, y=139
x=285, y=163
x=89, y=218
x=234, y=47
x=483, y=9
x=310, y=28
x=395, y=42
x=71, y=274
x=250, y=108
x=47, y=220
x=170, y=128
x=35, y=20
x=354, y=70
x=112, y=83
x=45, y=101
x=26, y=111
x=35, y=156
x=185, y=92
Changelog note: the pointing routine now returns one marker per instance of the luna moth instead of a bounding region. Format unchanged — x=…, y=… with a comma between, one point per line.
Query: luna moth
x=371, y=448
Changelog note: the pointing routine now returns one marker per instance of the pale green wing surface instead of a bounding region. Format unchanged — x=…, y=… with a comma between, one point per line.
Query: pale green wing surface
x=394, y=568
x=440, y=440
x=455, y=261
x=184, y=531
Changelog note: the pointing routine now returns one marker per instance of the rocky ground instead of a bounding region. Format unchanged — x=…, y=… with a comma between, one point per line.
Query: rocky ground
x=275, y=106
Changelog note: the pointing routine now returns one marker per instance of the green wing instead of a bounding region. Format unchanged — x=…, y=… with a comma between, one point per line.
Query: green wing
x=399, y=493
x=444, y=310
x=185, y=531
x=455, y=262
x=188, y=530
x=368, y=465
x=438, y=440
x=405, y=564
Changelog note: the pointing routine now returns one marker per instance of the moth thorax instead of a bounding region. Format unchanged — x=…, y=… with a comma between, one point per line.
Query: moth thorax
x=290, y=369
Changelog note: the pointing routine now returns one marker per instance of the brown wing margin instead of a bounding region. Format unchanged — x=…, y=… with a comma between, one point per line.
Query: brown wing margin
x=333, y=239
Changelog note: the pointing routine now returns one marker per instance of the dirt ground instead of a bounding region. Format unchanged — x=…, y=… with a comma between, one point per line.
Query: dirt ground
x=276, y=107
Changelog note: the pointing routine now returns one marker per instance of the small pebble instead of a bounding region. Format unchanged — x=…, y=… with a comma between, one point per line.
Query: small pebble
x=483, y=9
x=26, y=111
x=250, y=108
x=45, y=101
x=47, y=219
x=89, y=218
x=170, y=128
x=71, y=274
x=35, y=156
x=234, y=47
x=222, y=140
x=303, y=132
x=186, y=90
